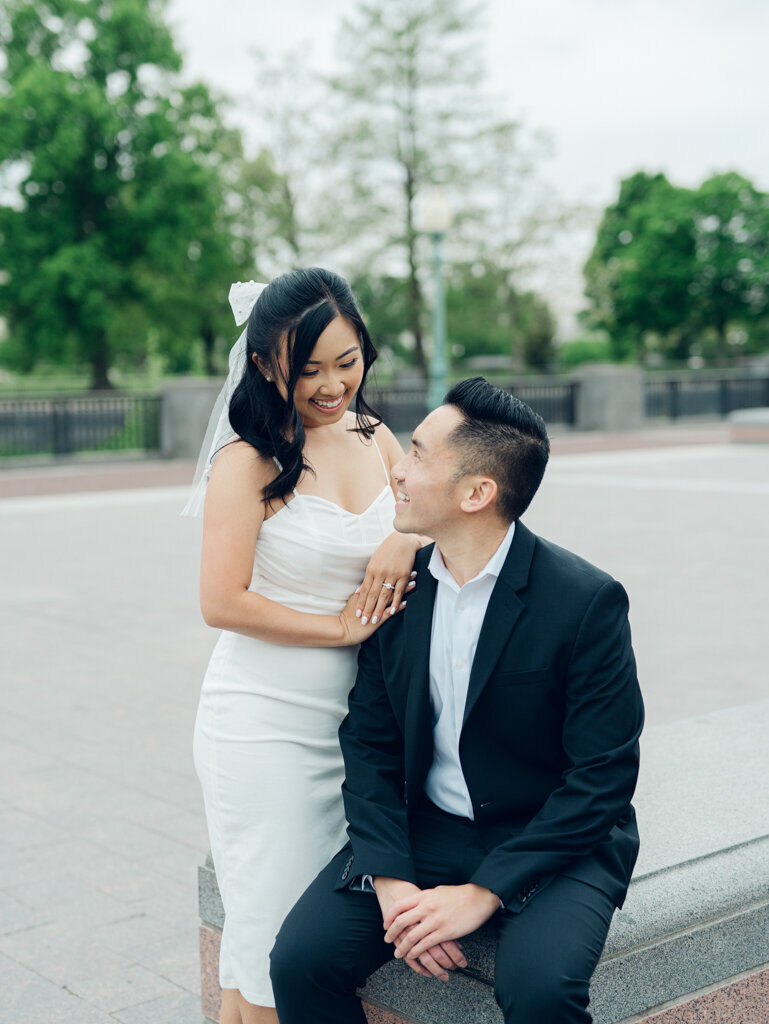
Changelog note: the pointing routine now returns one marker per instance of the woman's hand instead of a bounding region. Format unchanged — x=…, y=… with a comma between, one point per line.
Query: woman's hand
x=354, y=630
x=391, y=564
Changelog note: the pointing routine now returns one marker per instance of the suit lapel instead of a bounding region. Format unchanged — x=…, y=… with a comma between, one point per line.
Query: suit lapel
x=418, y=625
x=502, y=614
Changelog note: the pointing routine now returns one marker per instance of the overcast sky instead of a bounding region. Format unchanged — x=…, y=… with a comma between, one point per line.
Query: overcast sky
x=619, y=85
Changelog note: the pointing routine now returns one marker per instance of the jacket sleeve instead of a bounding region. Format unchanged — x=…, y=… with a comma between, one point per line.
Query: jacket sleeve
x=373, y=790
x=603, y=719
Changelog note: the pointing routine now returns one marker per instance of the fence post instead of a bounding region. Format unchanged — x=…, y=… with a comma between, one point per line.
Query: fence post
x=723, y=397
x=674, y=391
x=61, y=433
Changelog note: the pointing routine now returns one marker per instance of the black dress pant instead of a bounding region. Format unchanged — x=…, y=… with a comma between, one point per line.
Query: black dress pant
x=546, y=954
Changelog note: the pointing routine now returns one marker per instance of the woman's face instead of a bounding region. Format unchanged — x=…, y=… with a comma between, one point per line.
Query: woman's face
x=331, y=376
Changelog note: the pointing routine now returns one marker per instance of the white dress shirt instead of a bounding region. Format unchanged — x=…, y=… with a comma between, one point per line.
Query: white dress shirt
x=457, y=619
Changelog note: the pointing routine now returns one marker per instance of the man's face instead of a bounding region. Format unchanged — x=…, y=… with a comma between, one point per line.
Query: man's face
x=428, y=500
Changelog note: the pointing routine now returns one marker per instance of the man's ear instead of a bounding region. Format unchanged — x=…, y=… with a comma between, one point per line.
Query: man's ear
x=479, y=493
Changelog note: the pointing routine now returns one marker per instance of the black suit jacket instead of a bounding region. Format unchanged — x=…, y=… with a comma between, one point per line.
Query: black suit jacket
x=549, y=745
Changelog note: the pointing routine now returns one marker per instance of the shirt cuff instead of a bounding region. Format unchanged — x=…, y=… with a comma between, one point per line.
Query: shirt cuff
x=362, y=883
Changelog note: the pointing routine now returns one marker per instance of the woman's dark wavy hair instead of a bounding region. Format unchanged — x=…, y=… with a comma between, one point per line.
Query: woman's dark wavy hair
x=298, y=306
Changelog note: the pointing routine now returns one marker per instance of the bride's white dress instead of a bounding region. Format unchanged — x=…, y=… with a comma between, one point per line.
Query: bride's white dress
x=266, y=748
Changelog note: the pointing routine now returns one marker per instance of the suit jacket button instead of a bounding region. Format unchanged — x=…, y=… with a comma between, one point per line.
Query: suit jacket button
x=345, y=873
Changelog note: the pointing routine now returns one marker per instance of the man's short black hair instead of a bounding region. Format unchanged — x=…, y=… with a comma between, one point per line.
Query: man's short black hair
x=501, y=437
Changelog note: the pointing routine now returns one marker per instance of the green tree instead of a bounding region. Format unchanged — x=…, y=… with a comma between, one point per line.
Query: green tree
x=410, y=112
x=672, y=266
x=111, y=223
x=488, y=316
x=639, y=273
x=730, y=288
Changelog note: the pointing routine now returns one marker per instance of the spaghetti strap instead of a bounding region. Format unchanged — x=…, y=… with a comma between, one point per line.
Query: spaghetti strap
x=381, y=459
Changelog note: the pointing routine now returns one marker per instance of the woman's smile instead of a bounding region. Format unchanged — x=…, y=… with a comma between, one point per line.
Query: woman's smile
x=329, y=404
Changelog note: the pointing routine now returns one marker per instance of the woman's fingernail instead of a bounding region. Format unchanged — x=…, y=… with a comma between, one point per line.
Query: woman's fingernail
x=358, y=613
x=374, y=620
x=413, y=573
x=364, y=620
x=411, y=585
x=393, y=610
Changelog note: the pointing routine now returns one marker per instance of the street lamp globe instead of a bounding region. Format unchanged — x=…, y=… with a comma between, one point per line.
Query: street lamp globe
x=434, y=212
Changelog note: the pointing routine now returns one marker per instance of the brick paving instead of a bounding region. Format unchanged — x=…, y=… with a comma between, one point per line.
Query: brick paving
x=103, y=651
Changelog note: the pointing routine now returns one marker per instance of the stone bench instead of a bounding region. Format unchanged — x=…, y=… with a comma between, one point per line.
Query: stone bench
x=692, y=941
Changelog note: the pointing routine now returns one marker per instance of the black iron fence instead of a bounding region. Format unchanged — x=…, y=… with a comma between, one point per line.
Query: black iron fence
x=705, y=394
x=402, y=407
x=109, y=421
x=79, y=423
x=556, y=401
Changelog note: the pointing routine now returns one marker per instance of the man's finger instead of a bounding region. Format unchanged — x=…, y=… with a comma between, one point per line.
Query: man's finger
x=408, y=940
x=406, y=903
x=418, y=968
x=434, y=968
x=439, y=954
x=453, y=951
x=402, y=922
x=417, y=948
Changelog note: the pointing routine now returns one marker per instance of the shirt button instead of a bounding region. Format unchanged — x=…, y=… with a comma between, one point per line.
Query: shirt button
x=460, y=664
x=461, y=606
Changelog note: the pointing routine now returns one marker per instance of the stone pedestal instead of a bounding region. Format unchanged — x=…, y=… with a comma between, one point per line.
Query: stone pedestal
x=185, y=408
x=749, y=426
x=610, y=397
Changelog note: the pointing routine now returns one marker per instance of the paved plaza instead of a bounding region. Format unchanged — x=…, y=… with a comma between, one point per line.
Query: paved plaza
x=103, y=651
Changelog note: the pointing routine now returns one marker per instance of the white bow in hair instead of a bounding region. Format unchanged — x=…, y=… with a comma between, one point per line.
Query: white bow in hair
x=243, y=295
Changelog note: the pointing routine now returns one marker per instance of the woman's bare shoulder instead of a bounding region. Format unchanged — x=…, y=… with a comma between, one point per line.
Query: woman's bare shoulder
x=239, y=458
x=388, y=443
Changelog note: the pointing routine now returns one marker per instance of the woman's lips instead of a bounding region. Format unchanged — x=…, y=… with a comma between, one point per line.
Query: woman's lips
x=328, y=406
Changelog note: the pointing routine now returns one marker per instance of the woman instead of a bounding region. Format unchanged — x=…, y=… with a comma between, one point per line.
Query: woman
x=298, y=511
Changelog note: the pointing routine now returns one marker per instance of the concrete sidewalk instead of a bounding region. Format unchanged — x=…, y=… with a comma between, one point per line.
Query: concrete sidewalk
x=103, y=651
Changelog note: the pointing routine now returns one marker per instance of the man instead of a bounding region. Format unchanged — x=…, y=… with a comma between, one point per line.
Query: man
x=491, y=746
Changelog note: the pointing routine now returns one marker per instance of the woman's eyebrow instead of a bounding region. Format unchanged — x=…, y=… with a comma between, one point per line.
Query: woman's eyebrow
x=316, y=362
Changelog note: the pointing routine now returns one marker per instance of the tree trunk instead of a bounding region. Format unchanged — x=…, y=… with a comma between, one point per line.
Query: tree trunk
x=722, y=348
x=100, y=366
x=516, y=333
x=209, y=339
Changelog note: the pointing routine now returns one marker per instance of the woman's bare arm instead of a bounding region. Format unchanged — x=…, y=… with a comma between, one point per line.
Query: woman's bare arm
x=394, y=559
x=234, y=514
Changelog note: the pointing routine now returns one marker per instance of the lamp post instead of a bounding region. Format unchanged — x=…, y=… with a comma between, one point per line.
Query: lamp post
x=434, y=219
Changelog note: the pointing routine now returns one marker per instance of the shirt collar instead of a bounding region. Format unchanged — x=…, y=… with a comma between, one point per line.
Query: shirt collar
x=493, y=567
